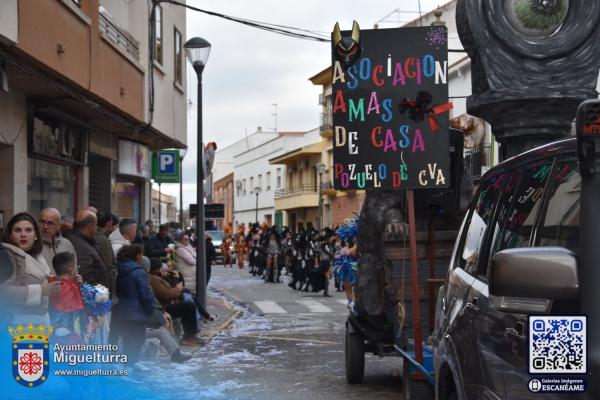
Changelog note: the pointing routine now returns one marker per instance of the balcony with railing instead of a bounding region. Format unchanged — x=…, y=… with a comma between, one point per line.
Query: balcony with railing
x=118, y=36
x=298, y=196
x=295, y=190
x=326, y=126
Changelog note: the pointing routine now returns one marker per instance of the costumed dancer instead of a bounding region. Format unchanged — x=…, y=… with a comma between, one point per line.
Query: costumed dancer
x=272, y=253
x=252, y=244
x=226, y=251
x=346, y=260
x=299, y=261
x=326, y=256
x=262, y=244
x=285, y=251
x=240, y=246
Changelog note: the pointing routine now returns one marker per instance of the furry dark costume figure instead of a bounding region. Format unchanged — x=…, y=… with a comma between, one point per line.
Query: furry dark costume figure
x=299, y=261
x=381, y=214
x=319, y=276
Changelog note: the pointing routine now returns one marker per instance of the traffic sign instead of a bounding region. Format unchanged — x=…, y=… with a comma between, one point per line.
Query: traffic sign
x=165, y=166
x=212, y=211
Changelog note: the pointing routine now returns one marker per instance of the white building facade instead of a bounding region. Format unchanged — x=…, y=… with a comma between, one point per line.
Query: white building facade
x=224, y=158
x=256, y=180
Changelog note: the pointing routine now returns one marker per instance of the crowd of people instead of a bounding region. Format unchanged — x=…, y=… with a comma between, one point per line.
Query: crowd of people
x=309, y=257
x=99, y=279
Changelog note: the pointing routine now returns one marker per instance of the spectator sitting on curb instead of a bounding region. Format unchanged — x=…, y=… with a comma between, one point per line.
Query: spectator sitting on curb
x=169, y=298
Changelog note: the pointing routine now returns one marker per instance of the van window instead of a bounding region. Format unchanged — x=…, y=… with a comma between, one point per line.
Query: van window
x=481, y=216
x=518, y=211
x=560, y=225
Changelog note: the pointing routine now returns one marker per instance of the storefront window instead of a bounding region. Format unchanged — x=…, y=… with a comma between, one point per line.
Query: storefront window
x=127, y=200
x=50, y=185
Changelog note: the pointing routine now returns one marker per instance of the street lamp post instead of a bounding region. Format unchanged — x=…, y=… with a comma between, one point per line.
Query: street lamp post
x=256, y=191
x=320, y=170
x=182, y=154
x=197, y=50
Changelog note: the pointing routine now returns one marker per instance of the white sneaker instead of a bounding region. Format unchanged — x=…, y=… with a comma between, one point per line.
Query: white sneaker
x=351, y=307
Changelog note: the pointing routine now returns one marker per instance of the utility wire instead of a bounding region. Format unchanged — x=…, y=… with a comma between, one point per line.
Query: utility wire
x=280, y=29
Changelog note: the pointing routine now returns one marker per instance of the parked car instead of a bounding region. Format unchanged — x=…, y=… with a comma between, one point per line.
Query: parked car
x=515, y=256
x=217, y=239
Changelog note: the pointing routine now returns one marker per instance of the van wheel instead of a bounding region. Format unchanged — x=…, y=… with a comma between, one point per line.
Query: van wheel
x=415, y=390
x=355, y=357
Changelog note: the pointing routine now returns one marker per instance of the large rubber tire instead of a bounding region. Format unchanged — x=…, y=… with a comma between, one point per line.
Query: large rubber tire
x=415, y=390
x=355, y=357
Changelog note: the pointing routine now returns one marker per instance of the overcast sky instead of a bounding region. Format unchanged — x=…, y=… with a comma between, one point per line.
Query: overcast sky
x=250, y=69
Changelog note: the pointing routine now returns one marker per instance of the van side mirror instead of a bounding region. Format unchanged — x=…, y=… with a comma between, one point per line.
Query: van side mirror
x=527, y=279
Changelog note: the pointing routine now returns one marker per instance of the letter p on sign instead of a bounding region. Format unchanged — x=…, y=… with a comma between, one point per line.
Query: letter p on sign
x=166, y=163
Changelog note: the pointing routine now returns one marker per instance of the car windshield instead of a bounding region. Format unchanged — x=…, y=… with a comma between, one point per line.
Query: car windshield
x=216, y=235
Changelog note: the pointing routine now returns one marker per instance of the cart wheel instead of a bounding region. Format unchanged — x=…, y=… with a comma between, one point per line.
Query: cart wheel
x=355, y=357
x=415, y=390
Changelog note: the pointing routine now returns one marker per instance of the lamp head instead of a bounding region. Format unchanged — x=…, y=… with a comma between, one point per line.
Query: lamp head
x=197, y=50
x=320, y=168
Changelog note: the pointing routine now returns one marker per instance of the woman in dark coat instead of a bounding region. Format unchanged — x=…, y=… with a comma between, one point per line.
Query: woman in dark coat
x=135, y=301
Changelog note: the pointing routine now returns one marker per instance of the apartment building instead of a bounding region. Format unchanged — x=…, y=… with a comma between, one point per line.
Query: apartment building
x=89, y=88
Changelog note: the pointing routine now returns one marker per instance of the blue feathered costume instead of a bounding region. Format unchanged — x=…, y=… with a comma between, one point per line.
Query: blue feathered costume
x=345, y=266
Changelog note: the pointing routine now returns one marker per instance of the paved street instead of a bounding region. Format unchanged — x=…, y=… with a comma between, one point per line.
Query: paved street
x=285, y=345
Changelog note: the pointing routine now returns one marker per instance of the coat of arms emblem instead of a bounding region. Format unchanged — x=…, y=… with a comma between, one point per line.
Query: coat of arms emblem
x=30, y=354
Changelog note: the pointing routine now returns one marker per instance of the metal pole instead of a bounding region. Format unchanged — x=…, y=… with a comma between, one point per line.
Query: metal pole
x=319, y=226
x=414, y=273
x=181, y=193
x=159, y=204
x=431, y=281
x=256, y=209
x=201, y=244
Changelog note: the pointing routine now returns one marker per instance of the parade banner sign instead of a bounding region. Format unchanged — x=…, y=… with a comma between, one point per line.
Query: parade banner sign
x=390, y=108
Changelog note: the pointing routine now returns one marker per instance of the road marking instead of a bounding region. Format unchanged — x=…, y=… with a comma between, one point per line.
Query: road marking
x=269, y=307
x=314, y=306
x=342, y=301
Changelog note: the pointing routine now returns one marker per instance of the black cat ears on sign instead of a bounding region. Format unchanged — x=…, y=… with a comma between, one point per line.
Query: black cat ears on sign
x=337, y=33
x=346, y=49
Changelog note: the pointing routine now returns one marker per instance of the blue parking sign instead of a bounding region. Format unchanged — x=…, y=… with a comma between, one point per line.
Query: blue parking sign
x=165, y=166
x=166, y=162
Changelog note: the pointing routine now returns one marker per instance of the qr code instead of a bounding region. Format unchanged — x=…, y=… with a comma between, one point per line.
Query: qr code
x=557, y=345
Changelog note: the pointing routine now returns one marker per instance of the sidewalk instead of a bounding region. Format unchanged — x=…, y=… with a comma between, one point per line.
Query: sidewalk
x=227, y=314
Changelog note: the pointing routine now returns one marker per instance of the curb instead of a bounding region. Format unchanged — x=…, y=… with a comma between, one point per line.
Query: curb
x=214, y=332
x=225, y=293
x=236, y=313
